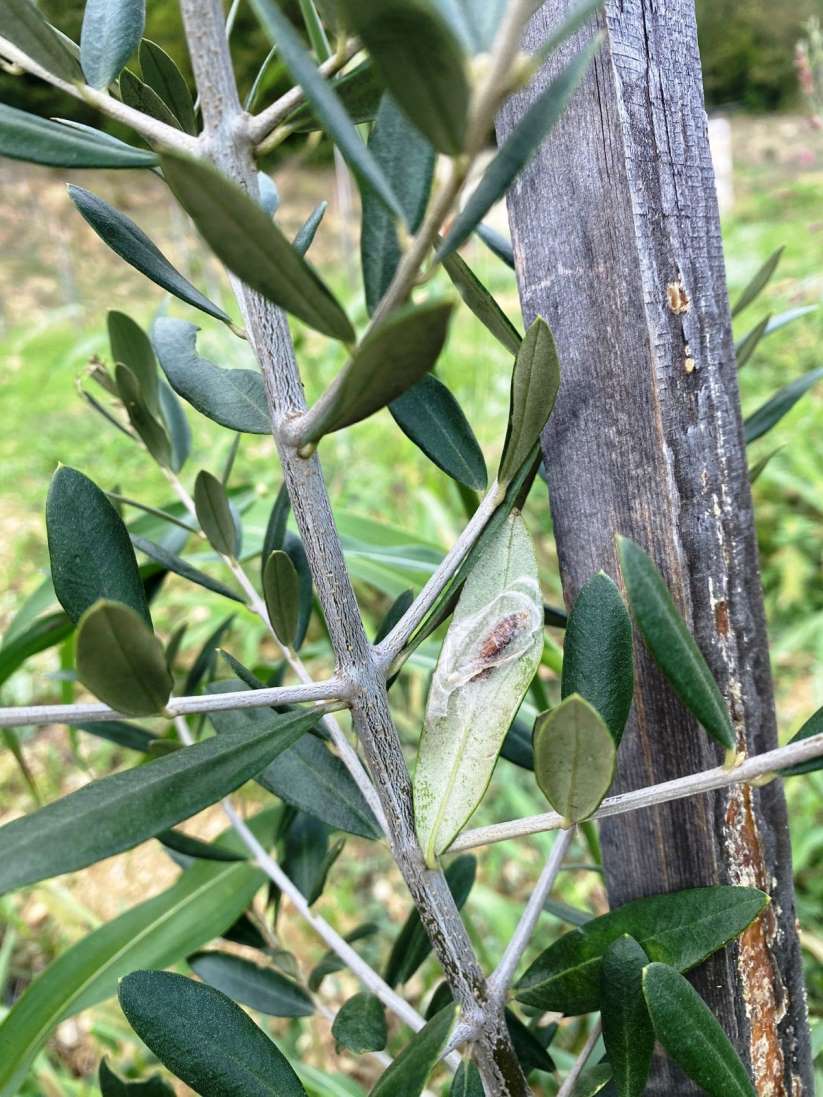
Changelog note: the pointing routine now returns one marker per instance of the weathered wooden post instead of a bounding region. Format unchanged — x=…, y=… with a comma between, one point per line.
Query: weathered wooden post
x=617, y=243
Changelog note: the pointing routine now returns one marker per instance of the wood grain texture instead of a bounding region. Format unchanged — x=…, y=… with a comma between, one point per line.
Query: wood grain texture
x=617, y=244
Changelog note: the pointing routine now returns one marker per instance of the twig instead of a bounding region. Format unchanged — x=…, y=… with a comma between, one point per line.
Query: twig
x=262, y=124
x=157, y=132
x=500, y=980
x=40, y=715
x=572, y=1077
x=761, y=765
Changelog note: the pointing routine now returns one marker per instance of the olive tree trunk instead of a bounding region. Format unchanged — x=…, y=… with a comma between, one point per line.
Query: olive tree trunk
x=617, y=243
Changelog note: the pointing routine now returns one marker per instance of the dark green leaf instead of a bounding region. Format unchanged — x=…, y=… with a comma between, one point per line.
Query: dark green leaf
x=327, y=106
x=307, y=858
x=390, y=359
x=260, y=988
x=120, y=811
x=182, y=568
x=112, y=1086
x=89, y=549
x=671, y=643
x=813, y=726
x=420, y=62
x=408, y=1074
x=206, y=656
x=497, y=243
x=574, y=758
x=244, y=237
x=360, y=1024
x=482, y=304
x=759, y=282
x=164, y=77
x=120, y=732
x=517, y=746
x=529, y=1051
x=430, y=416
x=45, y=632
x=149, y=429
x=130, y=242
x=275, y=535
x=597, y=653
x=294, y=547
x=407, y=160
x=746, y=347
x=689, y=1032
x=281, y=590
x=132, y=347
x=627, y=1029
x=681, y=929
x=112, y=30
x=311, y=778
x=234, y=398
x=757, y=469
x=194, y=849
x=535, y=381
x=467, y=1081
x=204, y=1038
x=521, y=145
x=572, y=915
x=22, y=24
x=359, y=91
x=24, y=136
x=245, y=932
x=140, y=96
x=770, y=413
x=331, y=962
x=304, y=237
x=199, y=907
x=594, y=1080
x=412, y=945
x=121, y=660
x=214, y=514
x=394, y=615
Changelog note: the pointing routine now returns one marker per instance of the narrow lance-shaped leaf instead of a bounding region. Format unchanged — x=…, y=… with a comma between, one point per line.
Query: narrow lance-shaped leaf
x=202, y=904
x=746, y=346
x=467, y=1081
x=25, y=136
x=482, y=303
x=597, y=653
x=89, y=549
x=759, y=282
x=813, y=726
x=535, y=381
x=304, y=237
x=497, y=243
x=245, y=238
x=420, y=61
x=206, y=656
x=214, y=514
x=408, y=1074
x=45, y=632
x=359, y=92
x=194, y=849
x=307, y=858
x=430, y=416
x=113, y=1086
x=118, y=812
x=111, y=32
x=25, y=26
x=148, y=427
x=164, y=77
x=129, y=241
x=574, y=758
x=182, y=568
x=138, y=95
x=131, y=347
x=692, y=1036
x=671, y=643
x=275, y=534
x=627, y=1029
x=177, y=426
x=360, y=1024
x=325, y=102
x=389, y=360
x=521, y=145
x=680, y=928
x=407, y=160
x=331, y=962
x=488, y=659
x=281, y=590
x=234, y=398
x=260, y=988
x=204, y=1038
x=121, y=660
x=770, y=413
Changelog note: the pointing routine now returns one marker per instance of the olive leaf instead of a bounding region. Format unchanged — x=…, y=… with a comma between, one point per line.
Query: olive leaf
x=627, y=1028
x=164, y=77
x=121, y=660
x=151, y=431
x=390, y=359
x=113, y=1086
x=111, y=32
x=25, y=136
x=25, y=26
x=360, y=1024
x=408, y=1074
x=488, y=659
x=535, y=382
x=247, y=983
x=759, y=282
x=480, y=301
x=214, y=514
x=130, y=346
x=772, y=411
x=137, y=94
x=574, y=758
x=281, y=590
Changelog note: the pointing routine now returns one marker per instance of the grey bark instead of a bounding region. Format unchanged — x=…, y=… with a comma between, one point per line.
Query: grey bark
x=617, y=243
x=229, y=146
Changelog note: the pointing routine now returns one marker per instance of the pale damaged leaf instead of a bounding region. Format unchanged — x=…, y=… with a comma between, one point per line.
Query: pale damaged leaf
x=488, y=659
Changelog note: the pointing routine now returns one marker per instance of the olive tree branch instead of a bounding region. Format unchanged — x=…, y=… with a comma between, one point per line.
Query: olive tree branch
x=153, y=130
x=571, y=1079
x=760, y=766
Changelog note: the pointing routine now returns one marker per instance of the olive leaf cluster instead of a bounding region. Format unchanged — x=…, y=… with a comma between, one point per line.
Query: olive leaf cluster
x=410, y=76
